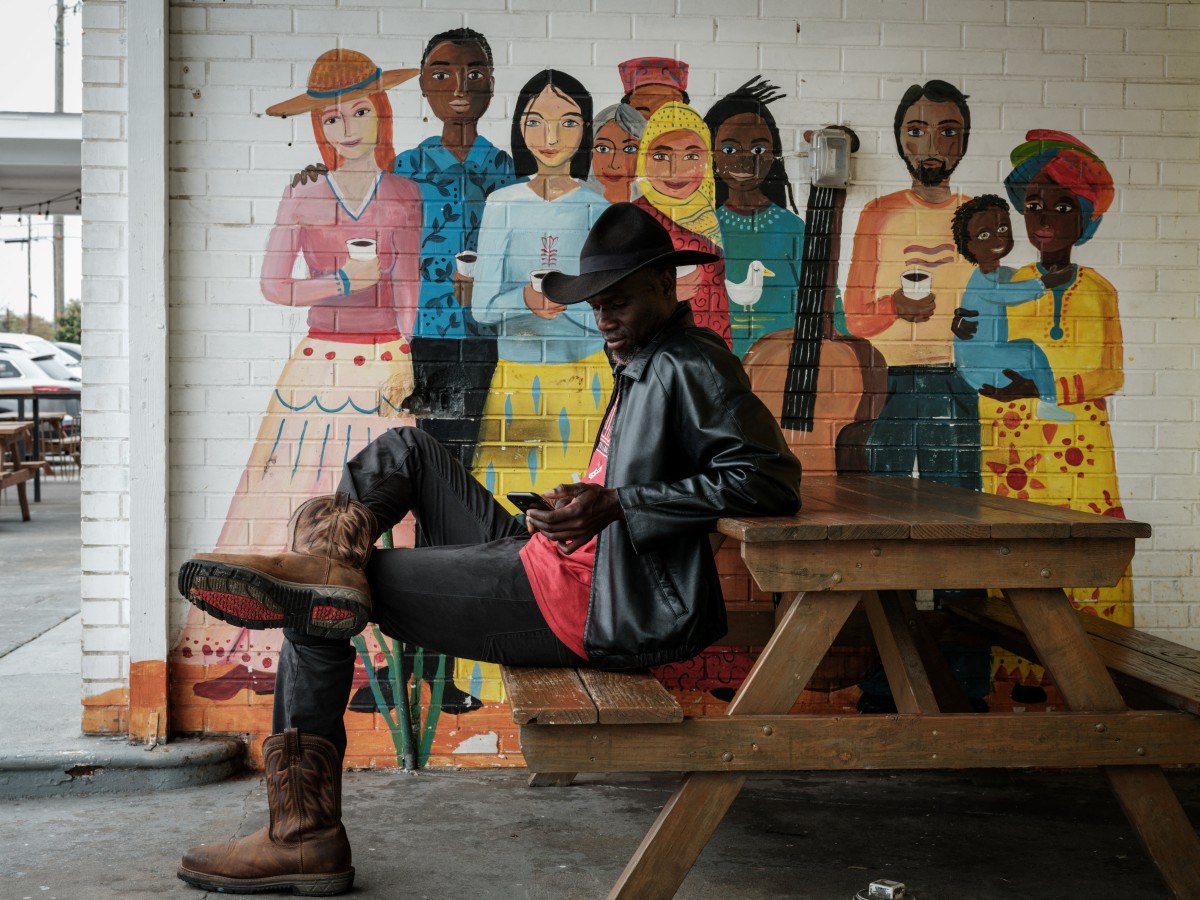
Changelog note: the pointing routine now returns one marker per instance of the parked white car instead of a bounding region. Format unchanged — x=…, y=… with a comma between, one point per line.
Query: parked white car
x=38, y=346
x=75, y=351
x=20, y=371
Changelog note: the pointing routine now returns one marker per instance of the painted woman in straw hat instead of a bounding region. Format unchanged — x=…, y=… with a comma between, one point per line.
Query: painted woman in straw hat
x=353, y=234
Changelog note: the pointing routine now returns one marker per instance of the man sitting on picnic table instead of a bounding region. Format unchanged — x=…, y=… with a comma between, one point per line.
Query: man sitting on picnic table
x=618, y=573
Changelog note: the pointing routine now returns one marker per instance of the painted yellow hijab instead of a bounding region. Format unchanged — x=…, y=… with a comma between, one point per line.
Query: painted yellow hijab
x=696, y=212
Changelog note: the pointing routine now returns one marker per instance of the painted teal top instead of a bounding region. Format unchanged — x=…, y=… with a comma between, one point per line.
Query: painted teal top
x=522, y=232
x=452, y=195
x=775, y=237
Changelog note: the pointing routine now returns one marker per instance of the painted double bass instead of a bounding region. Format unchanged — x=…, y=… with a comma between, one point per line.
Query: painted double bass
x=826, y=389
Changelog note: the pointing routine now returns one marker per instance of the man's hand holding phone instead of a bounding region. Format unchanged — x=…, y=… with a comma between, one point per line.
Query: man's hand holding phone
x=579, y=512
x=527, y=500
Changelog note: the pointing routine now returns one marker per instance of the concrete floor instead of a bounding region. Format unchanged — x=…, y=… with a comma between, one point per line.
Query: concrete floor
x=483, y=834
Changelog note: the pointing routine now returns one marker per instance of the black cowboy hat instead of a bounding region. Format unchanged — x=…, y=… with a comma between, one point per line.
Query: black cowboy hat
x=624, y=240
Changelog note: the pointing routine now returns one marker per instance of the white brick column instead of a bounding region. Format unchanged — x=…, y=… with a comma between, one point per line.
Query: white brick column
x=148, y=382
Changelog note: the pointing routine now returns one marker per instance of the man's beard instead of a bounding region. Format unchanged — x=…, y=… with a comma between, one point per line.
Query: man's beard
x=930, y=176
x=625, y=358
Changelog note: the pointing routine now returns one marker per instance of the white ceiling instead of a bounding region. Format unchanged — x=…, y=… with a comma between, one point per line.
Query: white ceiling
x=39, y=159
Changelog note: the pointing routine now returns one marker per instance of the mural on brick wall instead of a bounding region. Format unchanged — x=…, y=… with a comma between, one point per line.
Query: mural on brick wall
x=952, y=351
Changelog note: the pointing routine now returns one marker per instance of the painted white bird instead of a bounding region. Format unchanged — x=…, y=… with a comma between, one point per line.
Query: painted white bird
x=748, y=292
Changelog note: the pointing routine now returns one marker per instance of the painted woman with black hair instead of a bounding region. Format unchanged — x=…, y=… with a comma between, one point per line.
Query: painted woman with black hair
x=536, y=431
x=763, y=237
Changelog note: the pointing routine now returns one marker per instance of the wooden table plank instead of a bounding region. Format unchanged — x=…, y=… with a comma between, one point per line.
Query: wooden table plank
x=915, y=565
x=944, y=512
x=856, y=504
x=629, y=697
x=734, y=745
x=1082, y=524
x=777, y=528
x=548, y=696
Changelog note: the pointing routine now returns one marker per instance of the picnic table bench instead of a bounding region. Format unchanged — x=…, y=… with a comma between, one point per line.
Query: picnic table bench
x=1149, y=670
x=15, y=436
x=35, y=396
x=872, y=541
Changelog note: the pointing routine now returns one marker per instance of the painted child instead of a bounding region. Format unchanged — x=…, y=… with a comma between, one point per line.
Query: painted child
x=983, y=235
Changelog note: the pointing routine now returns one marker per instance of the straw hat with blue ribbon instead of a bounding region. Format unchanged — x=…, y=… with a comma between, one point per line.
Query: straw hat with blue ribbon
x=340, y=75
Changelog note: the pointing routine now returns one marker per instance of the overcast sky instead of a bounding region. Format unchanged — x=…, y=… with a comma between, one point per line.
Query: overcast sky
x=27, y=84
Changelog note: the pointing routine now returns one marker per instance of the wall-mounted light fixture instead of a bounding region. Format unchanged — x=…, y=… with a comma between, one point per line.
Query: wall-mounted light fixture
x=829, y=157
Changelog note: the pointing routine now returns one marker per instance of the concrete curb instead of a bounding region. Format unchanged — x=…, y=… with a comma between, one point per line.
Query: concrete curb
x=114, y=766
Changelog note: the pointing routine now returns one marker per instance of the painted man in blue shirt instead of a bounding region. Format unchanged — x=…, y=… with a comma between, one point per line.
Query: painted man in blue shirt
x=453, y=357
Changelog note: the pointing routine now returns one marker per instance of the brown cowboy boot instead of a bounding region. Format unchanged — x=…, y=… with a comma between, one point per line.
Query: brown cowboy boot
x=318, y=586
x=304, y=847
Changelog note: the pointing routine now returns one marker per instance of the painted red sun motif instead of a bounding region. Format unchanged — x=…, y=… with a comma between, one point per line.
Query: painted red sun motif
x=1075, y=455
x=1017, y=477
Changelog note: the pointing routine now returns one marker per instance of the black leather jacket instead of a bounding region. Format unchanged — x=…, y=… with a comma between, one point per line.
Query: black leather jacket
x=690, y=443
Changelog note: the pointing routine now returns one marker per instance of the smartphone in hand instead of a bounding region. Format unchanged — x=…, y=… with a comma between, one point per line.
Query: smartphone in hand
x=527, y=500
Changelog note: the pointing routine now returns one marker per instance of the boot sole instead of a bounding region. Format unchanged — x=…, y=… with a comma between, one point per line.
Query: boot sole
x=248, y=598
x=303, y=885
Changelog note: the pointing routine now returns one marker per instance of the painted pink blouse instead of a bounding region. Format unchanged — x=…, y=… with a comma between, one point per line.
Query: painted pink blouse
x=315, y=221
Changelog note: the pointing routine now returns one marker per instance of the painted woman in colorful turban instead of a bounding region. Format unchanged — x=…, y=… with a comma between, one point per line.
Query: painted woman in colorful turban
x=675, y=175
x=1062, y=189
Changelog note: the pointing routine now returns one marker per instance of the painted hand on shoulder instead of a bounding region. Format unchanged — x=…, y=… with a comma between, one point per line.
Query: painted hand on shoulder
x=312, y=173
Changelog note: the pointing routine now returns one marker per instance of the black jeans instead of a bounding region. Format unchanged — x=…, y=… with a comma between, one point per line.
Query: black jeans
x=465, y=595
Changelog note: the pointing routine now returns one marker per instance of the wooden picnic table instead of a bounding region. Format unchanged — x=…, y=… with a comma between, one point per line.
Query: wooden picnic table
x=35, y=396
x=15, y=438
x=875, y=540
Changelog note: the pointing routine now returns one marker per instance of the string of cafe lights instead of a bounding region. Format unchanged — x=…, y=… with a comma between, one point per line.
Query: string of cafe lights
x=41, y=207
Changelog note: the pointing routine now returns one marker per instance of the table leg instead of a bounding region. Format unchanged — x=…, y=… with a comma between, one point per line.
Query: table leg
x=37, y=450
x=804, y=635
x=918, y=674
x=1146, y=797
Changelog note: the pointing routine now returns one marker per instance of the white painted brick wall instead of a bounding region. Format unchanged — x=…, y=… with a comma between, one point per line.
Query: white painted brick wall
x=1121, y=75
x=104, y=482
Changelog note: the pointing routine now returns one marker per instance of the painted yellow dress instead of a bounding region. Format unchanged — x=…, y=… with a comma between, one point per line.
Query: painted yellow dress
x=552, y=383
x=1065, y=464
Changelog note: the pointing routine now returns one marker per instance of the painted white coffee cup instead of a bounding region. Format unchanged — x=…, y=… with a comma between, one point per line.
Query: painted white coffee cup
x=361, y=248
x=916, y=283
x=536, y=276
x=465, y=263
x=684, y=271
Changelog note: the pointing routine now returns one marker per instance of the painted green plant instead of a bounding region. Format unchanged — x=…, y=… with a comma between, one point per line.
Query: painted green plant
x=412, y=737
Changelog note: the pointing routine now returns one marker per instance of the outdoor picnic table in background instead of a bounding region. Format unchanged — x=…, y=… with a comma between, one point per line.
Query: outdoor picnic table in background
x=35, y=396
x=874, y=541
x=15, y=438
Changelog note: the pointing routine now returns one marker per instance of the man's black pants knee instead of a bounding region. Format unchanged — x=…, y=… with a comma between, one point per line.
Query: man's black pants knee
x=465, y=595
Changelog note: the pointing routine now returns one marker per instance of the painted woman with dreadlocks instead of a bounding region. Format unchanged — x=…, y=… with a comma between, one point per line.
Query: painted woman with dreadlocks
x=762, y=234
